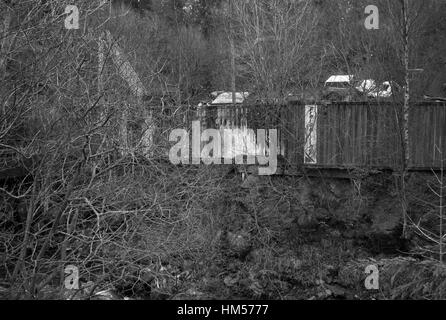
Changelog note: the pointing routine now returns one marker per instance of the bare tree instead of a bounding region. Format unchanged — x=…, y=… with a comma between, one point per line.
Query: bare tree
x=273, y=40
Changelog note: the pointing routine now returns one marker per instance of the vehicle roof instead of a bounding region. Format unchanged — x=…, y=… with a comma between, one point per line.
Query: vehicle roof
x=340, y=78
x=226, y=97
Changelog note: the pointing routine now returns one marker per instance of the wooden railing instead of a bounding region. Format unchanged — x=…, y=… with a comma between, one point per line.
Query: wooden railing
x=338, y=135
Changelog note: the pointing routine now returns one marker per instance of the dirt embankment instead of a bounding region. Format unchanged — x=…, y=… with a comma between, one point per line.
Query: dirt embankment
x=206, y=234
x=299, y=238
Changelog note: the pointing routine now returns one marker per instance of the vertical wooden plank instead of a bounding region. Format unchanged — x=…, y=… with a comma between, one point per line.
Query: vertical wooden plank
x=298, y=133
x=357, y=138
x=443, y=136
x=340, y=135
x=332, y=126
x=321, y=134
x=289, y=114
x=377, y=151
x=372, y=133
x=429, y=130
x=352, y=133
x=328, y=133
x=412, y=129
x=366, y=136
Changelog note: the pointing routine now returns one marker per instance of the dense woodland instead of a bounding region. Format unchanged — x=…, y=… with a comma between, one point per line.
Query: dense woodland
x=94, y=192
x=285, y=47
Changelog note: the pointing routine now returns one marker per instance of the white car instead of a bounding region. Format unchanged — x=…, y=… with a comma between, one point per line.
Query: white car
x=226, y=98
x=339, y=88
x=370, y=88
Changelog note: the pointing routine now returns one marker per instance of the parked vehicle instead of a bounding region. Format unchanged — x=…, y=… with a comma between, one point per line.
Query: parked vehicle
x=339, y=88
x=371, y=90
x=226, y=98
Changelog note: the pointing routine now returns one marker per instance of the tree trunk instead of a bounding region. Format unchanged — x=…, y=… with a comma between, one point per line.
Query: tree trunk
x=231, y=43
x=407, y=82
x=406, y=107
x=233, y=71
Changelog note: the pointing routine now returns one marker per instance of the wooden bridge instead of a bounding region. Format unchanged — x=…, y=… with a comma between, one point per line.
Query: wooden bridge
x=323, y=137
x=364, y=135
x=341, y=135
x=334, y=136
